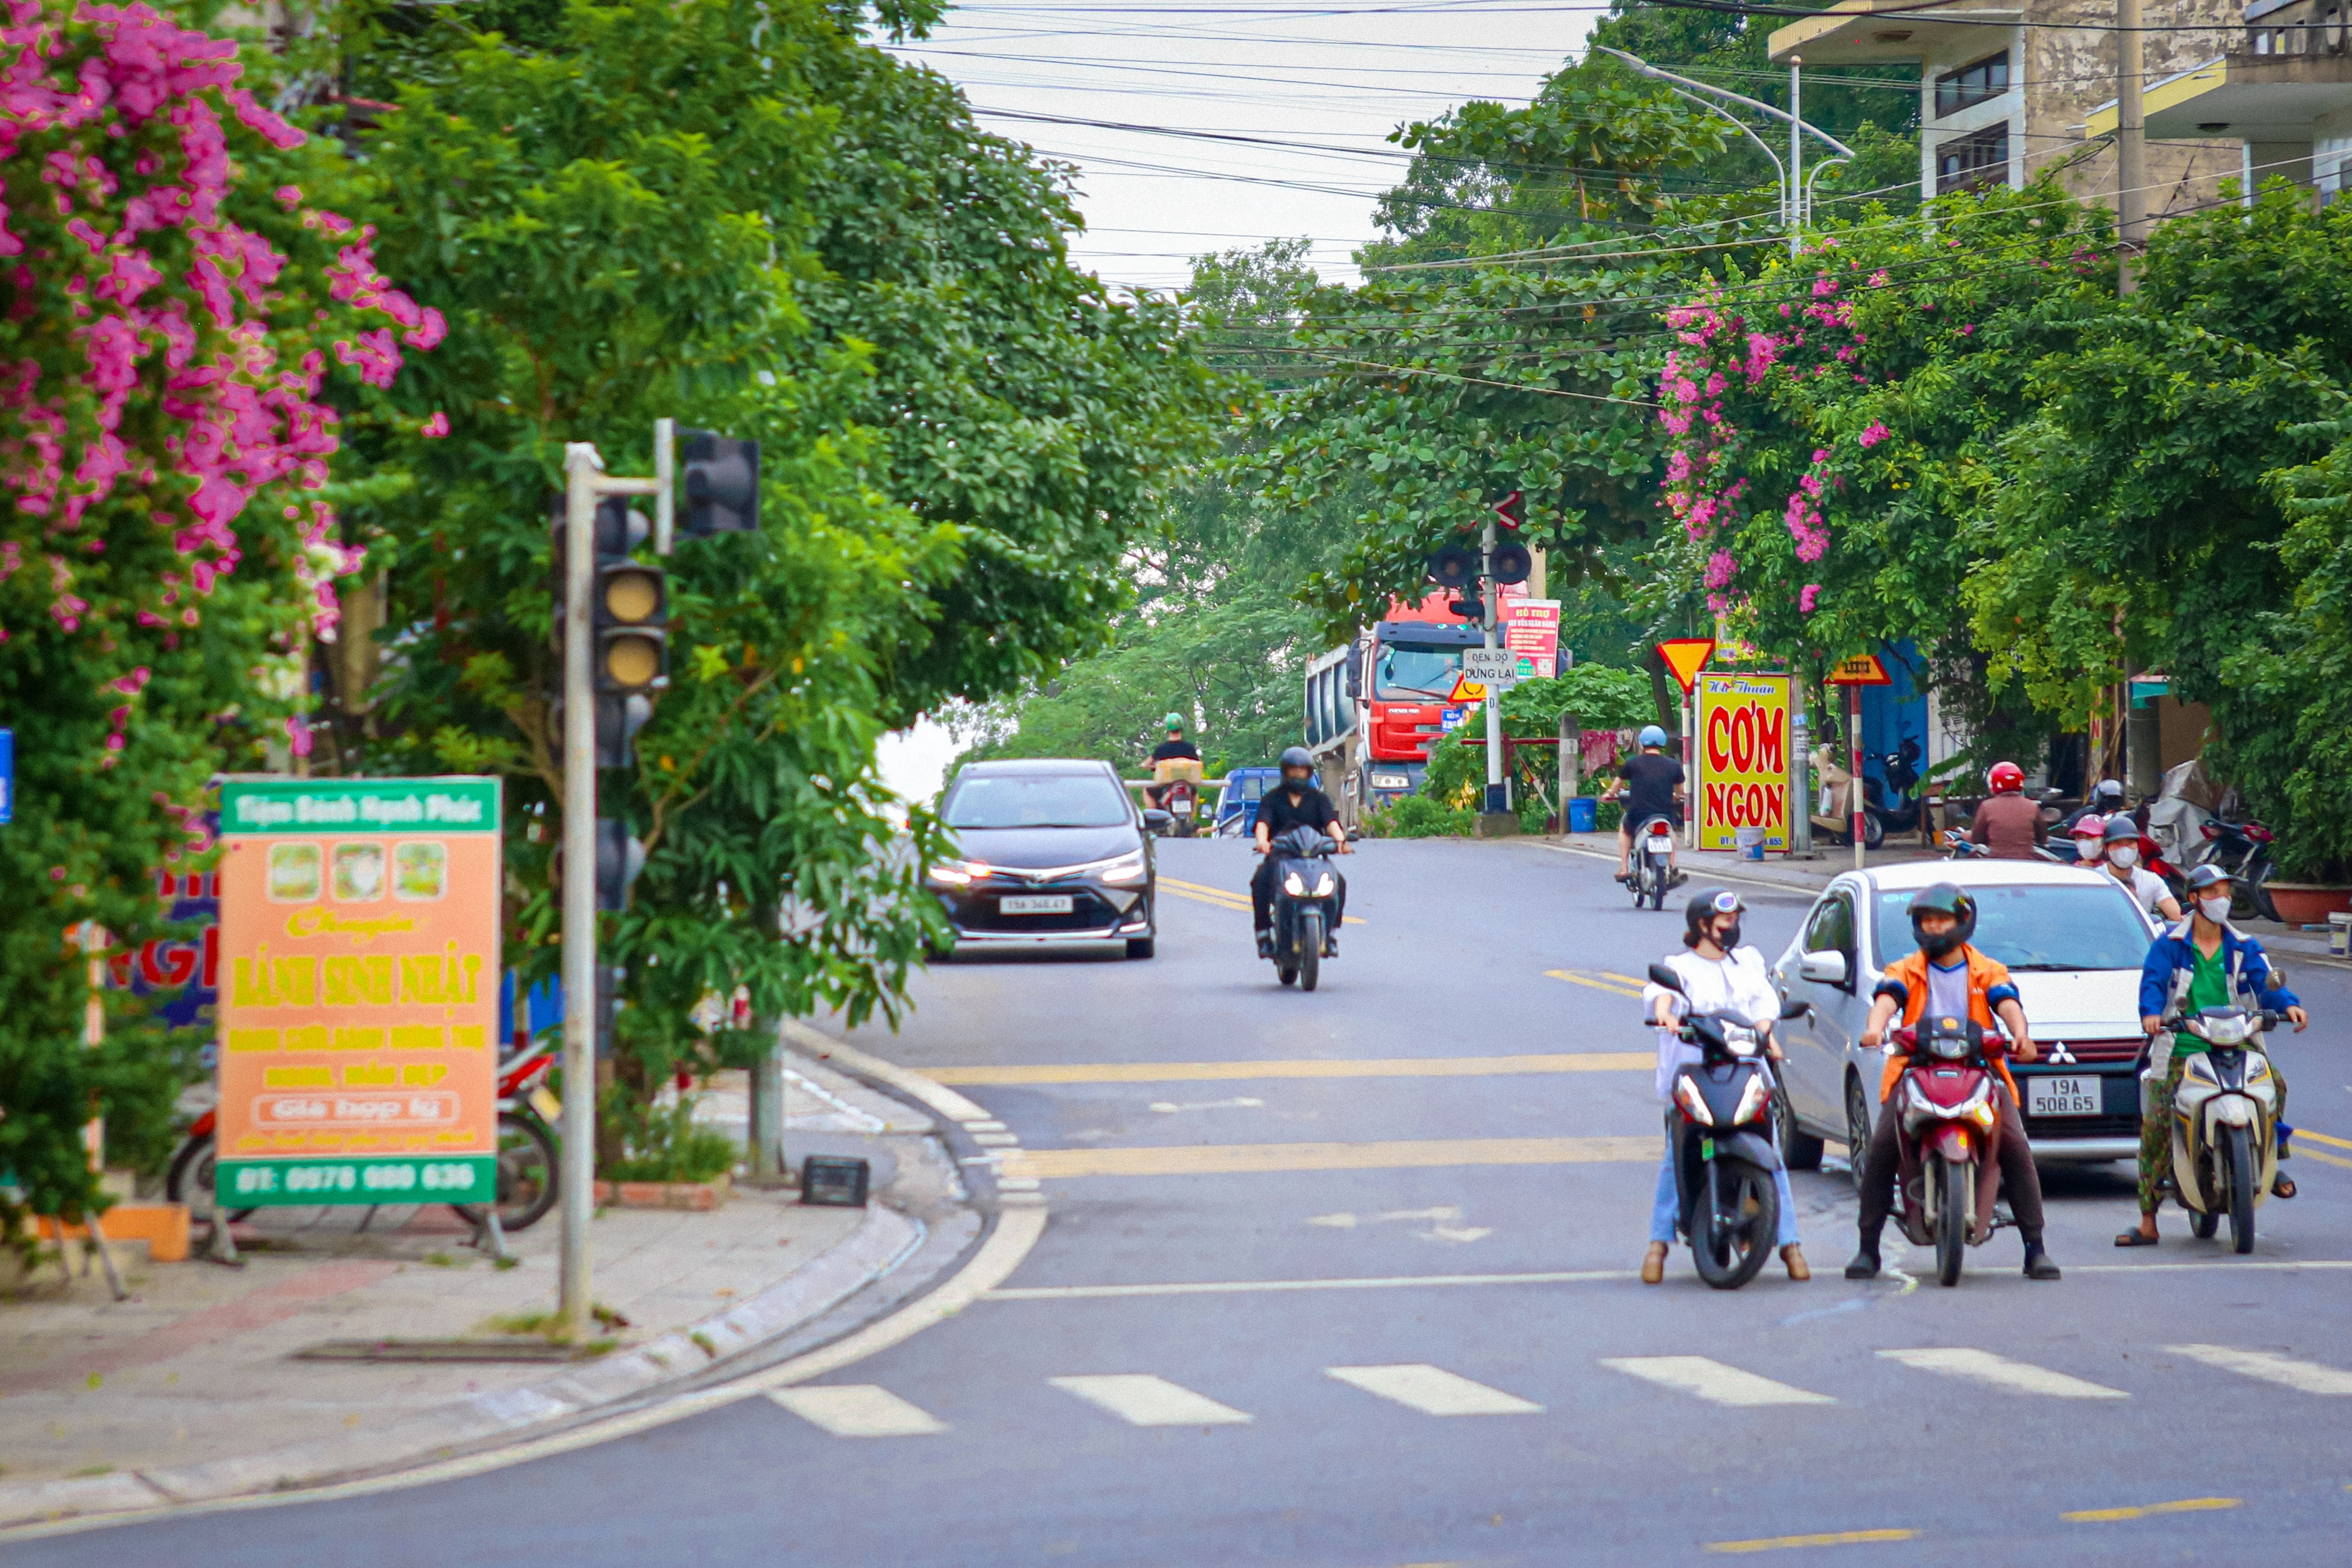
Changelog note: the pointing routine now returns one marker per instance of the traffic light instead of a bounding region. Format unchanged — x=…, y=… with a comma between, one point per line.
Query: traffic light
x=619, y=858
x=618, y=720
x=628, y=635
x=723, y=484
x=1510, y=561
x=1454, y=567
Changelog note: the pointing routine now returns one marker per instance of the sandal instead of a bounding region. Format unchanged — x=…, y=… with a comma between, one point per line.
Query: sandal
x=2134, y=1238
x=2283, y=1186
x=1653, y=1263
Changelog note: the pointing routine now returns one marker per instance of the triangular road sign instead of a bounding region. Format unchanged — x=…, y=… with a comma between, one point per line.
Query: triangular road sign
x=1862, y=670
x=1685, y=656
x=1466, y=690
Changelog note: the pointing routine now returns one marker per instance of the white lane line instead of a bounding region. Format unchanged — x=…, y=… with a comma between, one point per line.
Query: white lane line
x=1999, y=1371
x=1142, y=1400
x=858, y=1410
x=1714, y=1381
x=1433, y=1390
x=2305, y=1376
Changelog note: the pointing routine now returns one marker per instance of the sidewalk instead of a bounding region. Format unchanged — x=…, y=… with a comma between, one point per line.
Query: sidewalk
x=1812, y=875
x=197, y=1387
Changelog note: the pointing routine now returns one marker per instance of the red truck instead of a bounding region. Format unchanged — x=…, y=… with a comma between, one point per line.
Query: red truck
x=1374, y=703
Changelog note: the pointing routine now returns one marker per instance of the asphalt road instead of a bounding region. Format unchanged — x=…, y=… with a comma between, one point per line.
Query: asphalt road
x=1370, y=1317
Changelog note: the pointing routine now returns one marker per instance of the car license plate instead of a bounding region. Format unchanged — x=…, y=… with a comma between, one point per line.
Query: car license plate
x=1036, y=903
x=2061, y=1097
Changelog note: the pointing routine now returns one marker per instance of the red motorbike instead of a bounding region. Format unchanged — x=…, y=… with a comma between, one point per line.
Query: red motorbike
x=528, y=1115
x=1949, y=1131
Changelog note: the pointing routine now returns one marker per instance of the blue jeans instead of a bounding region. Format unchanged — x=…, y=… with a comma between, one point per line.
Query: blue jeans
x=1667, y=1203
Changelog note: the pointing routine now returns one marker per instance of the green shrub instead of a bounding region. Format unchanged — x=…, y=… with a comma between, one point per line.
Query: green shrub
x=660, y=1145
x=1420, y=817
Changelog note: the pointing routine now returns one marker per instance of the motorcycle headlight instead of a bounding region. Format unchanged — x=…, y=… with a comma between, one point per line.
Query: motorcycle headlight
x=1293, y=885
x=1752, y=1100
x=1693, y=1103
x=1324, y=885
x=955, y=873
x=1127, y=870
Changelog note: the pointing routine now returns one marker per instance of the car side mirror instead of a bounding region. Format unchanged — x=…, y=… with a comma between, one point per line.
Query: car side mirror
x=1666, y=979
x=1825, y=968
x=1158, y=820
x=1793, y=1008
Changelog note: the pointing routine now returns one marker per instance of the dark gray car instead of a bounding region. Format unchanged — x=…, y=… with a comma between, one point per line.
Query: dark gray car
x=1046, y=851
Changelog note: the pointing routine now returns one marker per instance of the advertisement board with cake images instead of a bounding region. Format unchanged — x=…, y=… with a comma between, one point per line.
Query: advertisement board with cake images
x=358, y=990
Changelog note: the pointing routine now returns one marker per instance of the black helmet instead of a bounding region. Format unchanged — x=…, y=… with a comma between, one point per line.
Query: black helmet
x=1296, y=756
x=1703, y=906
x=1943, y=898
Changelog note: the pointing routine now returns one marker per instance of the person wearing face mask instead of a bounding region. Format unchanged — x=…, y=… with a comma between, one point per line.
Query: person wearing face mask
x=2120, y=860
x=1955, y=980
x=2089, y=841
x=1293, y=804
x=1718, y=974
x=2202, y=962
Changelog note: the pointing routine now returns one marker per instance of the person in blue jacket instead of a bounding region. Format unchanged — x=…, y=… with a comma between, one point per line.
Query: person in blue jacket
x=2201, y=962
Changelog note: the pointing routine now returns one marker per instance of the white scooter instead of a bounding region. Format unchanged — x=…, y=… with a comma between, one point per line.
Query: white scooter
x=2224, y=1122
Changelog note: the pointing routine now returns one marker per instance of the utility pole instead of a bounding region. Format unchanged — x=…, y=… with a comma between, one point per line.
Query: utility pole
x=1796, y=159
x=2131, y=147
x=1494, y=703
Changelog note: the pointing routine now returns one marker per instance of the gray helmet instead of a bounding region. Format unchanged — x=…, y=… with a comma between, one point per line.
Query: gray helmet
x=2207, y=875
x=2108, y=789
x=1296, y=756
x=2121, y=826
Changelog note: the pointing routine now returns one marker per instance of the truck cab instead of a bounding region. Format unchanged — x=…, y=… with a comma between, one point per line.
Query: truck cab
x=1374, y=705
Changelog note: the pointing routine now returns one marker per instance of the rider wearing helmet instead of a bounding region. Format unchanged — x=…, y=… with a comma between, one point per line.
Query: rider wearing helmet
x=1175, y=747
x=1718, y=974
x=1295, y=803
x=2107, y=799
x=1651, y=782
x=2119, y=839
x=2008, y=823
x=1953, y=980
x=2089, y=836
x=2202, y=962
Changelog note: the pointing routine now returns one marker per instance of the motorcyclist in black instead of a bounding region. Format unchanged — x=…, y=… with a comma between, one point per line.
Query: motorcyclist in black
x=2107, y=799
x=1295, y=803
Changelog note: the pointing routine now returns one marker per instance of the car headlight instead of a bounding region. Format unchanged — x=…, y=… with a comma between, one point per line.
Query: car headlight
x=1751, y=1100
x=1693, y=1103
x=1293, y=885
x=1324, y=885
x=956, y=874
x=1127, y=870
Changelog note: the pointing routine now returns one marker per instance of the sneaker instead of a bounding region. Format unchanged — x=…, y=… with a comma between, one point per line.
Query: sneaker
x=1864, y=1265
x=1331, y=946
x=1265, y=944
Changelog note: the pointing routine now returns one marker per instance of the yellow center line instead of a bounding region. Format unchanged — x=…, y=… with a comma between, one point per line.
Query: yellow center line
x=1836, y=1538
x=1611, y=985
x=2186, y=1505
x=1222, y=898
x=2306, y=1133
x=2315, y=1155
x=1369, y=1067
x=1237, y=1159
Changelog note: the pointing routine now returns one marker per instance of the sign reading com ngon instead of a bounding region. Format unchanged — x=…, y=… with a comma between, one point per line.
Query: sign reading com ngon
x=1743, y=755
x=359, y=997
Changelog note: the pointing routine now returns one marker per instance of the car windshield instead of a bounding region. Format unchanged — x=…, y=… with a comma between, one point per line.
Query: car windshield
x=2034, y=927
x=1036, y=800
x=1407, y=671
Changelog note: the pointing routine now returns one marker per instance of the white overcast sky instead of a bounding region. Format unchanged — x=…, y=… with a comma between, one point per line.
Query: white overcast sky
x=1317, y=88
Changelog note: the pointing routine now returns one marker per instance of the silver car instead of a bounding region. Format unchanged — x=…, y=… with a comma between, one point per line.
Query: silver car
x=2073, y=941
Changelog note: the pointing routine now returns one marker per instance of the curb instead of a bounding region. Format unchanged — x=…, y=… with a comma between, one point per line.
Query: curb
x=421, y=1449
x=997, y=1142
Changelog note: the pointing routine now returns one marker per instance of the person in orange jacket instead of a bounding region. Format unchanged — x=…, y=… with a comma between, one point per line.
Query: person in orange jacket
x=1955, y=980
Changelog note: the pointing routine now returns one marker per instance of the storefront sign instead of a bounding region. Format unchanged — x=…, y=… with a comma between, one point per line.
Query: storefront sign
x=359, y=990
x=1743, y=755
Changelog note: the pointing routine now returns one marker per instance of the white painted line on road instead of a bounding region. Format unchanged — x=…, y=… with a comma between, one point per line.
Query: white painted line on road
x=858, y=1410
x=1999, y=1371
x=1433, y=1390
x=1140, y=1399
x=2304, y=1376
x=1250, y=1287
x=1712, y=1380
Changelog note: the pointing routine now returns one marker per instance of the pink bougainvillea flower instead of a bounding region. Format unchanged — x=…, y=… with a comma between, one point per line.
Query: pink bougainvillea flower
x=438, y=426
x=1872, y=434
x=1809, y=598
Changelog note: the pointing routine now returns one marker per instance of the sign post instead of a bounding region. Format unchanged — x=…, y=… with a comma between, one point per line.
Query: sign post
x=1863, y=670
x=1685, y=656
x=359, y=1001
x=1743, y=759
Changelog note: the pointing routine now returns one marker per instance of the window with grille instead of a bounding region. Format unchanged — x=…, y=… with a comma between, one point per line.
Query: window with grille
x=1988, y=78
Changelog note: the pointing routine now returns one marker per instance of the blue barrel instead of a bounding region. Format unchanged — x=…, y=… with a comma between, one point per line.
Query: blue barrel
x=1583, y=814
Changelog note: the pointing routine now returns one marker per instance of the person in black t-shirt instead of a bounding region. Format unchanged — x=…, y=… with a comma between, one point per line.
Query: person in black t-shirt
x=1175, y=746
x=1651, y=783
x=1293, y=804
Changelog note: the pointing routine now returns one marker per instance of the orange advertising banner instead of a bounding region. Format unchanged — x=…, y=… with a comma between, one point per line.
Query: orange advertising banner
x=359, y=991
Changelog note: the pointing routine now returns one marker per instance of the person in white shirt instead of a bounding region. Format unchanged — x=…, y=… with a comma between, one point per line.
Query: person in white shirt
x=1718, y=974
x=2122, y=863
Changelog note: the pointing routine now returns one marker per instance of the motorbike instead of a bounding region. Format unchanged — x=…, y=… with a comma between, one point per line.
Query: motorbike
x=1178, y=787
x=1720, y=1121
x=528, y=1111
x=2243, y=849
x=1898, y=808
x=1833, y=805
x=1957, y=846
x=1949, y=1135
x=2224, y=1122
x=1652, y=865
x=1305, y=905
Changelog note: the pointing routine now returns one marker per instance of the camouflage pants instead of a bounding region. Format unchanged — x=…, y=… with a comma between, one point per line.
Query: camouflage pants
x=2156, y=1133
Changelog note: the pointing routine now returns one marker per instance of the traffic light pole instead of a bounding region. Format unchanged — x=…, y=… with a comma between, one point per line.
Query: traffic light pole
x=584, y=484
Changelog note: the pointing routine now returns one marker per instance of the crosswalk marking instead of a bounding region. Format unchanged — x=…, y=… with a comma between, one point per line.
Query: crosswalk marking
x=1433, y=1390
x=1984, y=1366
x=857, y=1410
x=2305, y=1376
x=1711, y=1379
x=1142, y=1400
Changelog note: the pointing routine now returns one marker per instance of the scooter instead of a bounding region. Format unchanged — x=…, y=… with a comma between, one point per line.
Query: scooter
x=1305, y=905
x=2224, y=1122
x=1949, y=1137
x=1653, y=866
x=1181, y=800
x=1891, y=798
x=1720, y=1123
x=1833, y=805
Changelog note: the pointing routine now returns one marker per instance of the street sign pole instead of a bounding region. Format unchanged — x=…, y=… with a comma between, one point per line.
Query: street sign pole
x=1853, y=769
x=1495, y=801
